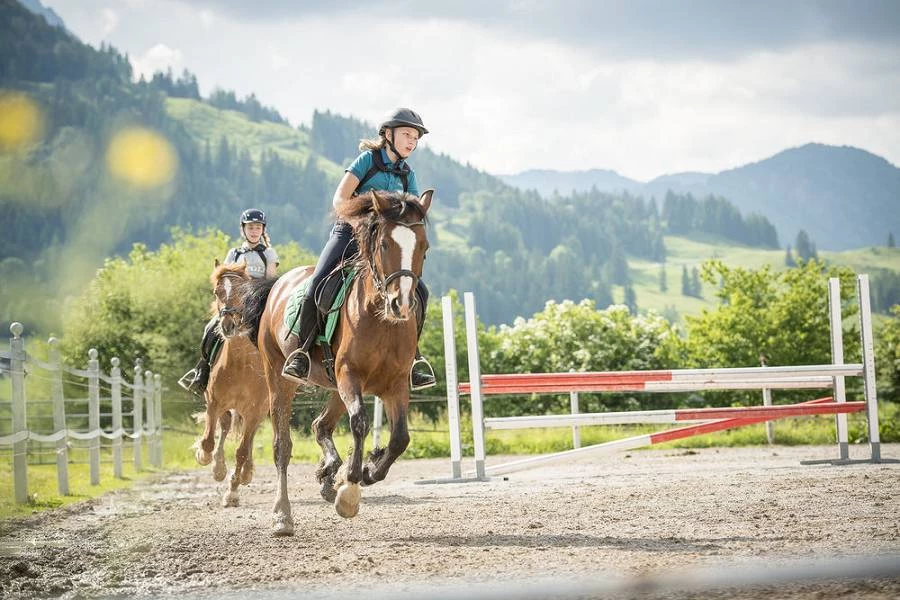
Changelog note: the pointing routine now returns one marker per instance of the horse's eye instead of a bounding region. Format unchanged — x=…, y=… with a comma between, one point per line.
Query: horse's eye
x=383, y=245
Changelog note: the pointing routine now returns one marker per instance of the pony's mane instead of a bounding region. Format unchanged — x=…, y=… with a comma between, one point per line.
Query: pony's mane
x=252, y=296
x=239, y=269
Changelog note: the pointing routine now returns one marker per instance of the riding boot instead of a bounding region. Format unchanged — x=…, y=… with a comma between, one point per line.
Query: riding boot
x=296, y=365
x=421, y=374
x=196, y=379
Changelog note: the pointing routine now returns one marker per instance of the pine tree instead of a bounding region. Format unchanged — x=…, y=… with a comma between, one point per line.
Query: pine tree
x=695, y=283
x=685, y=281
x=789, y=257
x=663, y=280
x=631, y=299
x=890, y=242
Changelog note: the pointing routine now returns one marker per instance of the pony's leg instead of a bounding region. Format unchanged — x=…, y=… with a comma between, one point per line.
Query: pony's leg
x=323, y=427
x=346, y=502
x=219, y=466
x=207, y=441
x=280, y=405
x=243, y=464
x=381, y=459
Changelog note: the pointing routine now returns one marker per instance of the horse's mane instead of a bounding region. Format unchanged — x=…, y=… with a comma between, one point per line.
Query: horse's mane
x=252, y=295
x=402, y=208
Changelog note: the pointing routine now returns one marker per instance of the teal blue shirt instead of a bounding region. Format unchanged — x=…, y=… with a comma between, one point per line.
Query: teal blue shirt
x=381, y=180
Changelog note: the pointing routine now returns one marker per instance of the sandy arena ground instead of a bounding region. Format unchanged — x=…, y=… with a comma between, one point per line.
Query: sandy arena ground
x=615, y=519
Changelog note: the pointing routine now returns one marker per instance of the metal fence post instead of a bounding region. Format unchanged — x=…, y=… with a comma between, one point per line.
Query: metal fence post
x=377, y=421
x=767, y=401
x=576, y=430
x=452, y=388
x=115, y=376
x=59, y=418
x=475, y=384
x=157, y=384
x=138, y=415
x=19, y=421
x=94, y=415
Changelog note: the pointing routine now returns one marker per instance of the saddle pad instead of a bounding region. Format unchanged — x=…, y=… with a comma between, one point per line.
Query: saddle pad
x=295, y=301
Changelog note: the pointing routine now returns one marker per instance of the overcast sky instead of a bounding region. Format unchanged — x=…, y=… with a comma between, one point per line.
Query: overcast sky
x=641, y=87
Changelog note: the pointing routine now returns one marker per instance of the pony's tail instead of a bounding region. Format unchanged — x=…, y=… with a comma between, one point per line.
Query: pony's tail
x=254, y=294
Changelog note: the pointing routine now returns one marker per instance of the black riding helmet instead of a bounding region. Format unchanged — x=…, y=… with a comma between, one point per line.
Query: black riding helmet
x=403, y=117
x=253, y=215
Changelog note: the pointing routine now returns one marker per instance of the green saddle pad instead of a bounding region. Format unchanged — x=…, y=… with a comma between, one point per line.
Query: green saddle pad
x=296, y=301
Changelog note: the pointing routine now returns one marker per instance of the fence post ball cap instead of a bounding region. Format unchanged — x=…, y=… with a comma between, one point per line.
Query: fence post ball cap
x=114, y=361
x=148, y=374
x=92, y=354
x=53, y=341
x=16, y=329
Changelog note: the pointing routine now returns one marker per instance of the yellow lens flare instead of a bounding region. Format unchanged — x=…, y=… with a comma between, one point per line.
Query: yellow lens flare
x=21, y=121
x=141, y=157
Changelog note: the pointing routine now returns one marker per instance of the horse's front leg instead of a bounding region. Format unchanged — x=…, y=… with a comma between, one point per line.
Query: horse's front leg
x=346, y=502
x=219, y=466
x=381, y=459
x=323, y=427
x=204, y=446
x=243, y=463
x=280, y=406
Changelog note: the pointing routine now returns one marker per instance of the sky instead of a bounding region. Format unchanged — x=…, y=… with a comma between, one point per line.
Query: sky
x=644, y=88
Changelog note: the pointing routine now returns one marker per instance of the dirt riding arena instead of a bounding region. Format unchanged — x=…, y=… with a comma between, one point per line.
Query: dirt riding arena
x=617, y=519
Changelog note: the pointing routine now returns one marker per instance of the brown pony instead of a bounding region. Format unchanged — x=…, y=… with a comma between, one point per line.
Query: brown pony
x=373, y=346
x=236, y=386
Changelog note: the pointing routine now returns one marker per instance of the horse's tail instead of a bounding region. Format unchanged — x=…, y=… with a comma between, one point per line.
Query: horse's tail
x=254, y=294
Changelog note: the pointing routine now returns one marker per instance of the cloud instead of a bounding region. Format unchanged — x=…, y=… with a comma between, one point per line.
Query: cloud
x=158, y=58
x=110, y=20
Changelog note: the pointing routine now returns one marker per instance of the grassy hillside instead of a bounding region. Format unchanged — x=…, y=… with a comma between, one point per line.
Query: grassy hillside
x=691, y=252
x=205, y=122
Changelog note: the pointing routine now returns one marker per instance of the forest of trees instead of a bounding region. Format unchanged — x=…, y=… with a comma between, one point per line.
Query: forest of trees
x=514, y=249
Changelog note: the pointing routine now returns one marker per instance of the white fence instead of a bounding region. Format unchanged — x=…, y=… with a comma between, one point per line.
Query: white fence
x=27, y=436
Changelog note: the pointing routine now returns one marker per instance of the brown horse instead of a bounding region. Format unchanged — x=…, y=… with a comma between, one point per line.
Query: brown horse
x=373, y=347
x=236, y=386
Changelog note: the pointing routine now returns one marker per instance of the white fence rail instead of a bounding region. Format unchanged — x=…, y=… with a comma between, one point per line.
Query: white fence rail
x=144, y=393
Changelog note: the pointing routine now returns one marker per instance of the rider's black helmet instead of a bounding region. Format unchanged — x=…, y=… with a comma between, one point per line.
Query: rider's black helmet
x=253, y=215
x=403, y=117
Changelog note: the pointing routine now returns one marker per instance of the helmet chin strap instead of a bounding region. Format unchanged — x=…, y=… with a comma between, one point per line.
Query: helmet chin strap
x=390, y=142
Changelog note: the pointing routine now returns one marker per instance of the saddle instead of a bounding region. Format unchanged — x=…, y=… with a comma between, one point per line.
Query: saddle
x=328, y=298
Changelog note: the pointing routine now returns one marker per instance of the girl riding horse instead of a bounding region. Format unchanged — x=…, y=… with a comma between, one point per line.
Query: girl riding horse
x=262, y=261
x=382, y=166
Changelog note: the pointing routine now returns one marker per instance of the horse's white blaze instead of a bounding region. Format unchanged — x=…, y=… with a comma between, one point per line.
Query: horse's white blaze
x=227, y=285
x=406, y=239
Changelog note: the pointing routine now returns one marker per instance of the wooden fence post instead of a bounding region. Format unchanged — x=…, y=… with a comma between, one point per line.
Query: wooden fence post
x=59, y=418
x=19, y=421
x=137, y=411
x=150, y=425
x=115, y=375
x=94, y=414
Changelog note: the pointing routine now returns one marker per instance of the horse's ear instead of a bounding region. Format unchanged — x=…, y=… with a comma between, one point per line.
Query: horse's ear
x=425, y=199
x=380, y=203
x=216, y=265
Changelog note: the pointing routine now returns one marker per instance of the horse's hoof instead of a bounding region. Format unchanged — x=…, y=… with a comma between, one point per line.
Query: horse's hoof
x=204, y=458
x=284, y=525
x=347, y=499
x=327, y=490
x=230, y=500
x=246, y=474
x=219, y=470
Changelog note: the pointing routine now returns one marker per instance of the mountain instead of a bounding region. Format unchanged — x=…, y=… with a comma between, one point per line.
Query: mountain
x=546, y=181
x=49, y=14
x=843, y=197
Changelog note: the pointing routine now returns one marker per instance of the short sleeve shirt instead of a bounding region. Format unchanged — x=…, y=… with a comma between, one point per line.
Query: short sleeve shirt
x=256, y=268
x=382, y=180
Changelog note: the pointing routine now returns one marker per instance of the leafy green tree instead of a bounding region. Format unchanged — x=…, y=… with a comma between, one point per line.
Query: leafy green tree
x=887, y=353
x=783, y=315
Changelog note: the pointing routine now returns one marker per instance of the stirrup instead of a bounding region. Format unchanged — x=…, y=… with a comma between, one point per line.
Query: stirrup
x=187, y=379
x=289, y=361
x=427, y=380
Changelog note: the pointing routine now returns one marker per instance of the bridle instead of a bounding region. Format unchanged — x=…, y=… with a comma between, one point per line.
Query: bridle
x=381, y=282
x=228, y=310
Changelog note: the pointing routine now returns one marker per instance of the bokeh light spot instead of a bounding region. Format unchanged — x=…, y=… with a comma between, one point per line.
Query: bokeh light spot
x=21, y=121
x=141, y=157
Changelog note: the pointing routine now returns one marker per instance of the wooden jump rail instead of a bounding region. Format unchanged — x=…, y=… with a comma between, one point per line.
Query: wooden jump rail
x=677, y=380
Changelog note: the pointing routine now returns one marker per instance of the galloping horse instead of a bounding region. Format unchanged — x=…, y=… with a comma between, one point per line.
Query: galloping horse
x=236, y=384
x=373, y=347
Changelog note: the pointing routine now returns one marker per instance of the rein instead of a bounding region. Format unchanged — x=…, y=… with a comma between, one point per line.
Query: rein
x=381, y=282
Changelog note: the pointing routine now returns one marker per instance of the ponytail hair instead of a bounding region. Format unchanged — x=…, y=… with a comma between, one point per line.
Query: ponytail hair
x=373, y=143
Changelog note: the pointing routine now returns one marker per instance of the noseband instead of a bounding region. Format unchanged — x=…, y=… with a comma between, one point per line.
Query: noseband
x=381, y=282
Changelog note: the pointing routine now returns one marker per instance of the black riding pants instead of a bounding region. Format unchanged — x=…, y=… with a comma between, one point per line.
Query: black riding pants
x=340, y=245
